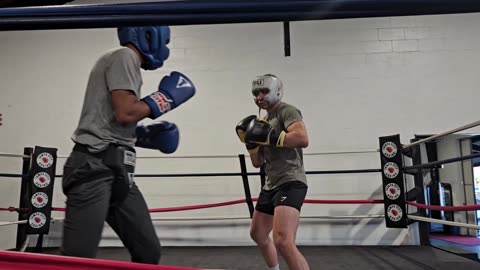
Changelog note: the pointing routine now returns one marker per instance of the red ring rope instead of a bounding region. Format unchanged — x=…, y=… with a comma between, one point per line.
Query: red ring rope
x=445, y=208
x=211, y=205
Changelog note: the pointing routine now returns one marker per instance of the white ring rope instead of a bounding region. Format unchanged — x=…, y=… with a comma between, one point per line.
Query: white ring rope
x=6, y=223
x=451, y=223
x=218, y=156
x=474, y=124
x=60, y=219
x=247, y=218
x=13, y=155
x=342, y=152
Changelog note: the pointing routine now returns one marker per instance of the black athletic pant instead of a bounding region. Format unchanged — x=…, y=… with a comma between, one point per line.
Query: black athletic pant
x=87, y=183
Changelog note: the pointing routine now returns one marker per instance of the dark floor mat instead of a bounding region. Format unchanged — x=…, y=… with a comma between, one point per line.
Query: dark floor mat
x=319, y=257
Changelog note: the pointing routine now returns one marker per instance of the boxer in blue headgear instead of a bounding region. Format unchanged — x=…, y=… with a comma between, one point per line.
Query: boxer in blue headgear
x=150, y=41
x=98, y=175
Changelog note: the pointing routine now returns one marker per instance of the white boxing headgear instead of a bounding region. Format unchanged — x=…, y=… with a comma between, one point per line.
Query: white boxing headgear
x=274, y=86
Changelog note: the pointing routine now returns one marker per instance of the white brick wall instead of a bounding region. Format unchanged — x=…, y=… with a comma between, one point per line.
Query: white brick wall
x=391, y=34
x=410, y=45
x=354, y=80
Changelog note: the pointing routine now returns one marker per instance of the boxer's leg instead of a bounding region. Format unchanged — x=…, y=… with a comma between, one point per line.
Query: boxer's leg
x=132, y=222
x=87, y=185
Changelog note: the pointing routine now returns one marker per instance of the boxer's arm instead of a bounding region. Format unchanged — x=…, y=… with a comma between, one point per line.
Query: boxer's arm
x=296, y=136
x=128, y=108
x=257, y=158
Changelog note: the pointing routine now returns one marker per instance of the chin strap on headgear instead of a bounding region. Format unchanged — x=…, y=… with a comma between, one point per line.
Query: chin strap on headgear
x=274, y=86
x=150, y=41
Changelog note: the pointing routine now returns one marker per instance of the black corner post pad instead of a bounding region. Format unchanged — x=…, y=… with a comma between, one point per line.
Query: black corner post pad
x=391, y=158
x=41, y=183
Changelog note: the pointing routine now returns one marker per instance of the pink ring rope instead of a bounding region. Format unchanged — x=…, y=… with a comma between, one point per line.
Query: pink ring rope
x=28, y=261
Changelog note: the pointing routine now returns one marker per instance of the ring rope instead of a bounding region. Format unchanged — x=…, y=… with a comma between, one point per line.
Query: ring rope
x=451, y=223
x=13, y=209
x=471, y=125
x=248, y=218
x=342, y=152
x=6, y=223
x=29, y=260
x=12, y=175
x=347, y=217
x=446, y=208
x=211, y=205
x=59, y=219
x=13, y=155
x=354, y=171
x=343, y=201
x=412, y=169
x=179, y=157
x=311, y=201
x=418, y=218
x=214, y=156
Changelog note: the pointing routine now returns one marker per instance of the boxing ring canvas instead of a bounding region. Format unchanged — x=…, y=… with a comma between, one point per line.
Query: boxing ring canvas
x=349, y=78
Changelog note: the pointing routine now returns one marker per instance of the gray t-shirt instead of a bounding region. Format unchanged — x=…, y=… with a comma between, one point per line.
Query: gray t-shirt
x=283, y=164
x=117, y=69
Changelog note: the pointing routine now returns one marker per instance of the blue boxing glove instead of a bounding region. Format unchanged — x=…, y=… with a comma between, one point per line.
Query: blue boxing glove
x=163, y=136
x=173, y=90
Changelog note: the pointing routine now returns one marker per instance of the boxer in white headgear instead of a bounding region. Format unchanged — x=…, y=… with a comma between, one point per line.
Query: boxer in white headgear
x=276, y=141
x=272, y=89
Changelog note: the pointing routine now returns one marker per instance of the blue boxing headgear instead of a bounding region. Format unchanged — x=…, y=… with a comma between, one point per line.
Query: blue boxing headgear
x=150, y=41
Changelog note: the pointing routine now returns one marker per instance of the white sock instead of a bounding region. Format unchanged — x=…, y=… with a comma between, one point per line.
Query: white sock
x=276, y=267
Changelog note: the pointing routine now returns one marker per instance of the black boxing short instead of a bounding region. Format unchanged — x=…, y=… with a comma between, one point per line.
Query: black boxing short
x=289, y=194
